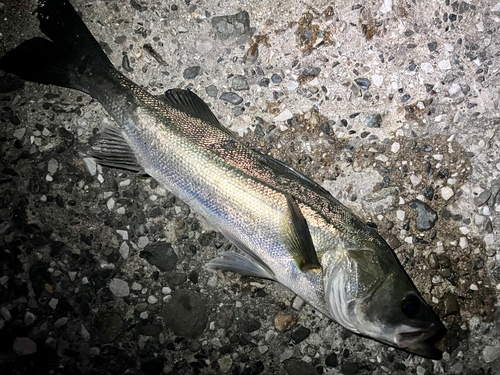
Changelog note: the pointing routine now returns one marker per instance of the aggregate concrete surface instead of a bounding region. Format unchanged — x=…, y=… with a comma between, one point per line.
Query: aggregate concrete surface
x=393, y=106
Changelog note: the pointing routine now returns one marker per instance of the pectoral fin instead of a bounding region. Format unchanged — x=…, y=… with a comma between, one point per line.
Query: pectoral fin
x=298, y=240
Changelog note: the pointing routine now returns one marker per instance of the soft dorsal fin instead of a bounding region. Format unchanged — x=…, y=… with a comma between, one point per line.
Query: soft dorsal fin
x=298, y=240
x=112, y=150
x=190, y=103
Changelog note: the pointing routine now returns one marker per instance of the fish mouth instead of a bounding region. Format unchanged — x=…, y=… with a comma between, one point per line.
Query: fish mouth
x=421, y=341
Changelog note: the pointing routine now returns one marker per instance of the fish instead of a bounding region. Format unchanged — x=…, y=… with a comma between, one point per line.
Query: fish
x=287, y=227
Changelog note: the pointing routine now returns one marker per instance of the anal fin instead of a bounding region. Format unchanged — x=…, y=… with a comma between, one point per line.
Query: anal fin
x=234, y=262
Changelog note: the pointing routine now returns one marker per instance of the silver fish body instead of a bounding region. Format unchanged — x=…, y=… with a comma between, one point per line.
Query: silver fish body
x=289, y=228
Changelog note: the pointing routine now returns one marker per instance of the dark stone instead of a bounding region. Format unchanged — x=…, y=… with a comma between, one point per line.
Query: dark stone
x=363, y=83
x=311, y=71
x=149, y=329
x=176, y=278
x=191, y=72
x=212, y=91
x=332, y=360
x=161, y=255
x=296, y=367
x=193, y=276
x=137, y=6
x=108, y=324
x=432, y=46
x=257, y=368
x=450, y=305
x=185, y=314
x=264, y=82
x=300, y=334
x=250, y=325
x=426, y=216
x=373, y=120
x=231, y=97
x=276, y=78
x=405, y=98
x=349, y=368
x=429, y=193
x=234, y=25
x=153, y=366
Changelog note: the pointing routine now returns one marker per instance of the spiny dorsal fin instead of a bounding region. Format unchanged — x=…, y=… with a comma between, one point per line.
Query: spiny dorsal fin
x=298, y=240
x=190, y=103
x=112, y=150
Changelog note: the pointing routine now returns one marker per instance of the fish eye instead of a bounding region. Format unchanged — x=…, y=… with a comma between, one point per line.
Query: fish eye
x=410, y=306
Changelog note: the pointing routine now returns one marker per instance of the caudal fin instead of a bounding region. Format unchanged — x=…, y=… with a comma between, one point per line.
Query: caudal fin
x=67, y=59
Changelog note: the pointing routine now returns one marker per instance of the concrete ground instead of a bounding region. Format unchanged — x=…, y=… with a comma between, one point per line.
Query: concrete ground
x=393, y=106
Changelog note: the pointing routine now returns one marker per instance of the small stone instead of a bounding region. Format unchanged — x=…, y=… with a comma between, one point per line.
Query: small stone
x=124, y=250
x=444, y=65
x=212, y=91
x=363, y=83
x=331, y=360
x=161, y=255
x=284, y=116
x=123, y=233
x=284, y=322
x=276, y=78
x=60, y=322
x=298, y=303
x=426, y=216
x=91, y=165
x=119, y=287
x=483, y=198
x=24, y=346
x=415, y=180
x=29, y=318
x=240, y=83
x=421, y=370
x=400, y=214
x=203, y=45
x=152, y=300
x=292, y=85
x=142, y=242
x=311, y=71
x=85, y=333
x=53, y=303
x=395, y=147
x=185, y=314
x=300, y=334
x=19, y=133
x=427, y=67
x=432, y=46
x=231, y=97
x=377, y=80
x=373, y=120
x=225, y=363
x=491, y=353
x=447, y=193
x=191, y=72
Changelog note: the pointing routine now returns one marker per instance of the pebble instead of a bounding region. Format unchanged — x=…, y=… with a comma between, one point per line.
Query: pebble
x=276, y=78
x=124, y=250
x=184, y=314
x=152, y=300
x=298, y=303
x=231, y=97
x=85, y=333
x=450, y=304
x=284, y=116
x=53, y=303
x=292, y=85
x=421, y=370
x=142, y=242
x=123, y=233
x=191, y=72
x=332, y=360
x=363, y=83
x=119, y=287
x=377, y=80
x=109, y=325
x=426, y=216
x=491, y=353
x=136, y=286
x=447, y=193
x=311, y=71
x=52, y=166
x=483, y=198
x=287, y=354
x=91, y=165
x=24, y=346
x=203, y=45
x=284, y=322
x=19, y=133
x=240, y=83
x=225, y=363
x=60, y=322
x=373, y=120
x=400, y=214
x=395, y=147
x=161, y=255
x=212, y=91
x=300, y=334
x=29, y=318
x=444, y=65
x=415, y=180
x=427, y=67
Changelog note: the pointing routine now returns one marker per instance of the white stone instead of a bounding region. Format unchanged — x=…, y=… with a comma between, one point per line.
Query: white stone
x=91, y=165
x=152, y=300
x=52, y=166
x=395, y=147
x=19, y=133
x=298, y=303
x=123, y=233
x=100, y=178
x=110, y=203
x=166, y=290
x=53, y=303
x=142, y=242
x=496, y=8
x=377, y=79
x=125, y=182
x=136, y=286
x=124, y=250
x=421, y=370
x=144, y=315
x=464, y=244
x=72, y=275
x=473, y=287
x=119, y=287
x=386, y=7
x=454, y=89
x=444, y=65
x=283, y=116
x=464, y=230
x=480, y=26
x=438, y=157
x=400, y=214
x=121, y=211
x=415, y=180
x=292, y=85
x=427, y=67
x=491, y=353
x=479, y=219
x=447, y=193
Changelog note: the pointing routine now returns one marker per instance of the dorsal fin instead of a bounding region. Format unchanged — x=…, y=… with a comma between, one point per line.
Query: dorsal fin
x=190, y=103
x=297, y=238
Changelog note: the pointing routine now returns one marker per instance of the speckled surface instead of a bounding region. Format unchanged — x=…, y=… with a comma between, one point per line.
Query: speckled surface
x=392, y=106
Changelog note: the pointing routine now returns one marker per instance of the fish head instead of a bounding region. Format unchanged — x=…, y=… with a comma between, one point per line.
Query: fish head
x=368, y=292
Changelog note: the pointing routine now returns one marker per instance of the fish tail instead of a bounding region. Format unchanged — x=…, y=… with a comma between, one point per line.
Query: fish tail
x=69, y=59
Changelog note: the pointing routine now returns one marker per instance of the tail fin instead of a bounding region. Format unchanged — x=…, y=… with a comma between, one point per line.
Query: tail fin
x=71, y=55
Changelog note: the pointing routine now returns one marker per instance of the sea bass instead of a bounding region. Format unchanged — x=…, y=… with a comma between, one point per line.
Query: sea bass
x=288, y=228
